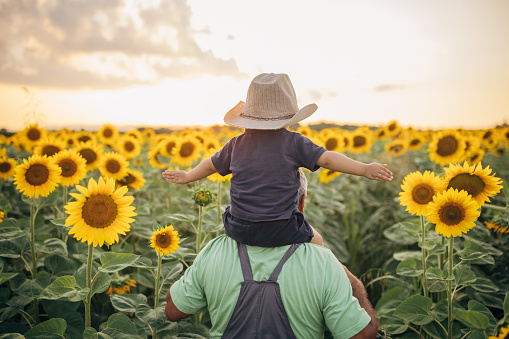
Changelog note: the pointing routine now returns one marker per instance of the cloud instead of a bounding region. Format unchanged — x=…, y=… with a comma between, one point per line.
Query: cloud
x=388, y=87
x=102, y=44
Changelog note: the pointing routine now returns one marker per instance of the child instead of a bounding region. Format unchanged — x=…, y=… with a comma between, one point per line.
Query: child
x=265, y=161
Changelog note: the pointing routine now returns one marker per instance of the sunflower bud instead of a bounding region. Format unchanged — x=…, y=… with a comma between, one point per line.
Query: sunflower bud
x=202, y=195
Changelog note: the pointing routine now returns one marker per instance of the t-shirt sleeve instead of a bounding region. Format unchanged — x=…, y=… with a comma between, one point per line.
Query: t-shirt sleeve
x=222, y=159
x=307, y=152
x=343, y=315
x=187, y=293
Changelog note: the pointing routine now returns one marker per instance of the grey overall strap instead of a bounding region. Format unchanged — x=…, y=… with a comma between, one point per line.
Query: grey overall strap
x=246, y=265
x=277, y=270
x=244, y=262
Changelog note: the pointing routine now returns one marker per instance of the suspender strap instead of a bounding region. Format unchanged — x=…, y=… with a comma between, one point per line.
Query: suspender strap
x=277, y=270
x=246, y=265
x=244, y=262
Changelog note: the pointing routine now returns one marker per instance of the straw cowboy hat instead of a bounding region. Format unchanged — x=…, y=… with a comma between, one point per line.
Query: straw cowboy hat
x=271, y=103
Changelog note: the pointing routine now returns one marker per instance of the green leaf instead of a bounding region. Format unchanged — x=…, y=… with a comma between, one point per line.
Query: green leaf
x=400, y=256
x=64, y=288
x=6, y=277
x=11, y=336
x=182, y=217
x=472, y=319
x=484, y=285
x=118, y=326
x=59, y=221
x=53, y=328
x=33, y=288
x=100, y=284
x=429, y=245
x=474, y=305
x=434, y=273
x=10, y=233
x=392, y=325
x=171, y=271
x=91, y=333
x=10, y=223
x=13, y=247
x=434, y=330
x=402, y=235
x=60, y=265
x=5, y=206
x=410, y=268
x=143, y=263
x=463, y=275
x=150, y=316
x=55, y=246
x=415, y=309
x=506, y=303
x=475, y=252
x=390, y=300
x=127, y=302
x=114, y=262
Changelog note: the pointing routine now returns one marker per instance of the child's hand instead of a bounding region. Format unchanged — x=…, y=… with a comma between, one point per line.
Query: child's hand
x=375, y=171
x=176, y=176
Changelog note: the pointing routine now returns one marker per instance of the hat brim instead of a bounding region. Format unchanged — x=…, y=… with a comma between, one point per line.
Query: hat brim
x=233, y=117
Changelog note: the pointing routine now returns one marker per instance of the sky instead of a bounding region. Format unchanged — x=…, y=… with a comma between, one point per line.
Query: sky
x=83, y=63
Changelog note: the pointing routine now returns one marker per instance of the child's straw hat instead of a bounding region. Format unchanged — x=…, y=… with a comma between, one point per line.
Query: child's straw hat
x=271, y=103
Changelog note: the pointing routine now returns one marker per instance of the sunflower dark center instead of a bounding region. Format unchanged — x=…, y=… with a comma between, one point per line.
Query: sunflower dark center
x=37, y=174
x=163, y=240
x=84, y=138
x=467, y=182
x=381, y=133
x=129, y=146
x=329, y=173
x=129, y=179
x=70, y=141
x=89, y=155
x=186, y=149
x=169, y=146
x=415, y=142
x=68, y=167
x=50, y=150
x=451, y=214
x=447, y=146
x=5, y=167
x=359, y=141
x=99, y=211
x=33, y=134
x=107, y=133
x=487, y=135
x=347, y=142
x=422, y=194
x=331, y=144
x=396, y=148
x=113, y=166
x=391, y=127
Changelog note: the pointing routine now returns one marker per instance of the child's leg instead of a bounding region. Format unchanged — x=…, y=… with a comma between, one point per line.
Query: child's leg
x=317, y=238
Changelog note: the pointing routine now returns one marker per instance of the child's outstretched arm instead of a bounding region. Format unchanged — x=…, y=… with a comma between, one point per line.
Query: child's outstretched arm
x=203, y=170
x=341, y=163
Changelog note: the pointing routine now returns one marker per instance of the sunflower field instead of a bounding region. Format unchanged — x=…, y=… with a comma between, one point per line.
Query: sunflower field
x=92, y=236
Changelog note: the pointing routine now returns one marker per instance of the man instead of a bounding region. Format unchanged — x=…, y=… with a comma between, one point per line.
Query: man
x=314, y=292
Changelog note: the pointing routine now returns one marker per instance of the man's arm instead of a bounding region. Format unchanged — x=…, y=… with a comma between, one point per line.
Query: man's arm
x=358, y=291
x=172, y=312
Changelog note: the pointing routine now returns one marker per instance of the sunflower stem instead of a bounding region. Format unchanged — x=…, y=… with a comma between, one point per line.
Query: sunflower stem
x=168, y=199
x=88, y=299
x=33, y=214
x=64, y=199
x=495, y=207
x=157, y=290
x=198, y=233
x=449, y=287
x=423, y=248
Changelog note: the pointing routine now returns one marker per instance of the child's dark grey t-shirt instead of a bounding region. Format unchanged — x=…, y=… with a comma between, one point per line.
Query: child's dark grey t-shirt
x=265, y=172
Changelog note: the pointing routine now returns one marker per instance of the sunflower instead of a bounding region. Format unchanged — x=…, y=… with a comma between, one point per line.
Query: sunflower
x=73, y=166
x=85, y=136
x=3, y=151
x=136, y=134
x=148, y=133
x=327, y=175
x=396, y=147
x=128, y=146
x=332, y=141
x=211, y=143
x=165, y=240
x=120, y=284
x=416, y=141
x=31, y=135
x=496, y=227
x=362, y=138
x=503, y=136
x=202, y=195
x=167, y=144
x=418, y=191
x=453, y=212
x=113, y=165
x=489, y=137
x=503, y=334
x=100, y=213
x=37, y=176
x=107, y=134
x=393, y=128
x=381, y=133
x=133, y=179
x=187, y=149
x=7, y=168
x=475, y=180
x=49, y=146
x=305, y=131
x=70, y=140
x=446, y=147
x=153, y=159
x=92, y=152
x=476, y=157
x=2, y=214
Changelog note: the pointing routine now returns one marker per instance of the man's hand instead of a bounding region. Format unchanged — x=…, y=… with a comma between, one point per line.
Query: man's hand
x=376, y=171
x=176, y=176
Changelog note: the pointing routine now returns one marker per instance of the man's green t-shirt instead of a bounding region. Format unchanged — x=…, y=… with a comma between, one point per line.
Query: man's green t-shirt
x=315, y=289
